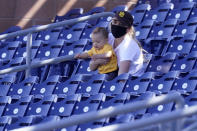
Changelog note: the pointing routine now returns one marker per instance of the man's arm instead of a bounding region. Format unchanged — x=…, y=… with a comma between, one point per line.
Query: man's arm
x=124, y=67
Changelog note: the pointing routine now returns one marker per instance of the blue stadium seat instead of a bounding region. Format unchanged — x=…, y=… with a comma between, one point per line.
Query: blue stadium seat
x=4, y=120
x=161, y=63
x=70, y=128
x=189, y=27
x=114, y=100
x=191, y=99
x=70, y=86
x=8, y=49
x=4, y=100
x=40, y=105
x=143, y=29
x=21, y=50
x=115, y=86
x=139, y=84
x=23, y=88
x=160, y=13
x=46, y=87
x=10, y=30
x=18, y=106
x=64, y=105
x=182, y=13
x=136, y=98
x=194, y=46
x=163, y=83
x=165, y=30
x=185, y=63
x=139, y=12
x=72, y=34
x=5, y=84
x=193, y=12
x=93, y=85
x=88, y=103
x=23, y=38
x=73, y=13
x=50, y=50
x=88, y=30
x=182, y=45
x=186, y=82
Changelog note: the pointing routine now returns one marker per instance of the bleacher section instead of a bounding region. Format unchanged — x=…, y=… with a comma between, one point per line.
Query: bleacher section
x=69, y=88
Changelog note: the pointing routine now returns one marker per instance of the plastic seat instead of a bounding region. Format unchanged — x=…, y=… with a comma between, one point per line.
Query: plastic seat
x=72, y=34
x=185, y=63
x=40, y=105
x=4, y=100
x=5, y=84
x=183, y=45
x=191, y=99
x=23, y=38
x=193, y=12
x=182, y=13
x=161, y=63
x=64, y=105
x=23, y=88
x=115, y=86
x=88, y=103
x=48, y=35
x=143, y=30
x=18, y=106
x=189, y=27
x=91, y=125
x=165, y=30
x=8, y=49
x=160, y=13
x=70, y=86
x=139, y=84
x=137, y=98
x=46, y=87
x=161, y=108
x=139, y=12
x=114, y=100
x=10, y=30
x=21, y=50
x=4, y=120
x=50, y=50
x=93, y=85
x=186, y=81
x=163, y=83
x=88, y=30
x=73, y=13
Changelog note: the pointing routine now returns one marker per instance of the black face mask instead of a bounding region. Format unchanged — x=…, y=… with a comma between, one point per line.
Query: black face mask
x=118, y=31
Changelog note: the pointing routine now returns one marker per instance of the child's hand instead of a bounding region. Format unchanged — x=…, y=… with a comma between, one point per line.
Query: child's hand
x=77, y=56
x=94, y=57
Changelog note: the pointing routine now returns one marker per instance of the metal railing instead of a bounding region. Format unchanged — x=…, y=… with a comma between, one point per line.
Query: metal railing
x=112, y=111
x=29, y=32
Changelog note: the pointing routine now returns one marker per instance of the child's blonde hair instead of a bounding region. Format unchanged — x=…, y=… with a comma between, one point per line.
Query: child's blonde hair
x=101, y=30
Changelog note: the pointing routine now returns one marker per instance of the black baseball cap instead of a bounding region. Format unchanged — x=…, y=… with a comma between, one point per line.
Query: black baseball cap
x=125, y=18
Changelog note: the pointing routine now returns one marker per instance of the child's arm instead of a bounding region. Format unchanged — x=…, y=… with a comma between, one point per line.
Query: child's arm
x=83, y=55
x=94, y=64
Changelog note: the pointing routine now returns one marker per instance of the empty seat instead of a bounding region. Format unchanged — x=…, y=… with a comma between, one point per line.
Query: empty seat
x=160, y=13
x=115, y=86
x=70, y=86
x=139, y=12
x=93, y=85
x=10, y=30
x=161, y=63
x=64, y=105
x=40, y=105
x=182, y=13
x=5, y=84
x=72, y=34
x=46, y=87
x=18, y=106
x=73, y=13
x=189, y=27
x=4, y=100
x=185, y=63
x=191, y=99
x=182, y=45
x=186, y=82
x=4, y=120
x=23, y=88
x=163, y=83
x=139, y=84
x=88, y=103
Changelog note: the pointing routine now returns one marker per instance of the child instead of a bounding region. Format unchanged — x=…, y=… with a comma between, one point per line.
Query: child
x=102, y=55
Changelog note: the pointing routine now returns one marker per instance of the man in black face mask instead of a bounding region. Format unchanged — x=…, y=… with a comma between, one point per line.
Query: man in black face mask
x=126, y=46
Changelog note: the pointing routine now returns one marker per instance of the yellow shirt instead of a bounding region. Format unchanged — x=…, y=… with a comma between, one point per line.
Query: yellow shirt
x=111, y=65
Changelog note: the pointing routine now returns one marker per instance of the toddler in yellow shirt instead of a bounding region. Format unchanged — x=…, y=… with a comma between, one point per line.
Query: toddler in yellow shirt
x=102, y=55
